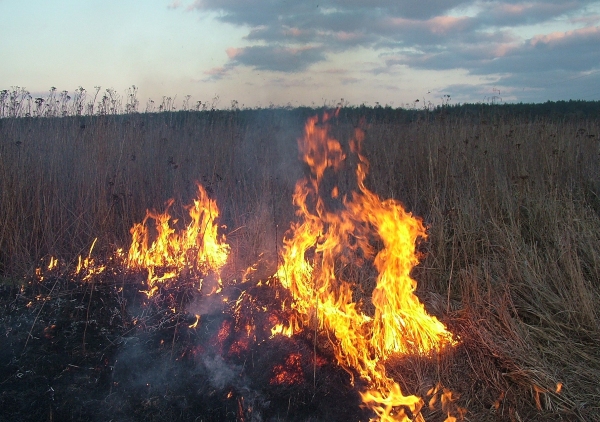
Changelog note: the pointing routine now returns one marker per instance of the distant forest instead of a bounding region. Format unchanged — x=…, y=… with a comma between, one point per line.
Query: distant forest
x=482, y=112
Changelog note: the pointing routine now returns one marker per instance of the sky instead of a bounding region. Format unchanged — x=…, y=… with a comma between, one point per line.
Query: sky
x=306, y=52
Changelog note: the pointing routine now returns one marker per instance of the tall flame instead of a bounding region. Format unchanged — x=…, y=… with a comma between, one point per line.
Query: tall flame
x=197, y=248
x=342, y=227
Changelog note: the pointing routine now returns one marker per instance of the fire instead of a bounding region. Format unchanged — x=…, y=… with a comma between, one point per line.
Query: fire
x=195, y=324
x=52, y=264
x=197, y=249
x=346, y=266
x=288, y=373
x=346, y=229
x=282, y=330
x=85, y=266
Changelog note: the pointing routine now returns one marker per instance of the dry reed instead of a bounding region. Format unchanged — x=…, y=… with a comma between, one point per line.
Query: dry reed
x=512, y=206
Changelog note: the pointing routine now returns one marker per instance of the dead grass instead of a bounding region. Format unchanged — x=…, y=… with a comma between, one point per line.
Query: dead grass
x=512, y=262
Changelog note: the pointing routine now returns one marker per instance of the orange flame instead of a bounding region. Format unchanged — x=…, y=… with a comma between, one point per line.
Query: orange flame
x=345, y=234
x=288, y=373
x=340, y=228
x=195, y=324
x=87, y=266
x=197, y=248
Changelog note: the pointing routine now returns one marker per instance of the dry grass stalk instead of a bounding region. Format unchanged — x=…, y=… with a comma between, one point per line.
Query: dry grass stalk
x=512, y=262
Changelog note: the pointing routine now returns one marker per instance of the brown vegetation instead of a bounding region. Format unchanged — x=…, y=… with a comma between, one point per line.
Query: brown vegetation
x=512, y=206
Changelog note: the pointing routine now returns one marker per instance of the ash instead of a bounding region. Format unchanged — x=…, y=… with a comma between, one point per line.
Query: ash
x=77, y=350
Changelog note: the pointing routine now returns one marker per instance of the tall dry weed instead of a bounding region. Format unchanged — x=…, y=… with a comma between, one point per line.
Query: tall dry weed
x=512, y=261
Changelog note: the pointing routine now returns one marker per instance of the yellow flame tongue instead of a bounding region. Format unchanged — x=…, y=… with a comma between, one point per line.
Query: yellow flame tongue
x=339, y=229
x=198, y=247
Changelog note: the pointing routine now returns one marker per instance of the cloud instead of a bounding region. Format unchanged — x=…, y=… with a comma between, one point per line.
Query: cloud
x=260, y=12
x=569, y=50
x=175, y=4
x=558, y=65
x=588, y=20
x=512, y=40
x=217, y=73
x=276, y=58
x=305, y=32
x=347, y=80
x=513, y=13
x=556, y=38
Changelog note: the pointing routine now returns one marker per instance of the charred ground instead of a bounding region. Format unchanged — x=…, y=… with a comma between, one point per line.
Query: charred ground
x=103, y=350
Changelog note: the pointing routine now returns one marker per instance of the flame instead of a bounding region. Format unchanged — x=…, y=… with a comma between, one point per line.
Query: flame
x=340, y=229
x=195, y=324
x=346, y=264
x=289, y=373
x=198, y=248
x=281, y=330
x=53, y=263
x=87, y=266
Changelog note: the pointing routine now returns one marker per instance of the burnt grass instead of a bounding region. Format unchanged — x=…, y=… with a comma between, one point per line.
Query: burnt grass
x=96, y=348
x=101, y=350
x=509, y=194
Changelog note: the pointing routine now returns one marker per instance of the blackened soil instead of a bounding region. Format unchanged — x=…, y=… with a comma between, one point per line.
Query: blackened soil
x=100, y=350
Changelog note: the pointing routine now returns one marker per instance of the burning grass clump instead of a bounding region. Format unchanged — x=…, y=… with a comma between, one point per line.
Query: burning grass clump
x=510, y=266
x=102, y=349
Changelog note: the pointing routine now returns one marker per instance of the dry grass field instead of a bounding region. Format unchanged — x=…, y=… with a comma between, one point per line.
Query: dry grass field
x=511, y=204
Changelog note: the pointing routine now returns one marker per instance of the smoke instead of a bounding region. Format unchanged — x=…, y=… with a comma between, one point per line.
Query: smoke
x=265, y=168
x=177, y=376
x=220, y=374
x=226, y=376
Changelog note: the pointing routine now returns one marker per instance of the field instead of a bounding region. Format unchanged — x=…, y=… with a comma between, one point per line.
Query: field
x=511, y=263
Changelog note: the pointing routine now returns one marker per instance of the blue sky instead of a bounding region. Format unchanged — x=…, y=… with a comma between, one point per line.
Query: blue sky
x=311, y=52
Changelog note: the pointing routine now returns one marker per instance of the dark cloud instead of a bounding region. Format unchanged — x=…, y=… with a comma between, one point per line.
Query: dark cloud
x=572, y=50
x=480, y=36
x=513, y=13
x=433, y=32
x=268, y=12
x=530, y=87
x=338, y=25
x=561, y=65
x=552, y=86
x=278, y=58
